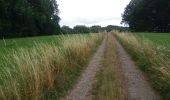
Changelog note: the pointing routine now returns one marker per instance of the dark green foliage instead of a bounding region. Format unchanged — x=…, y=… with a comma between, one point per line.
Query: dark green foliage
x=81, y=29
x=93, y=29
x=67, y=30
x=109, y=28
x=96, y=29
x=20, y=18
x=148, y=15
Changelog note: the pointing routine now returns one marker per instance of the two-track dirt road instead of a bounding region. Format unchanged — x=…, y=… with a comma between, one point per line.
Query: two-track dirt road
x=136, y=84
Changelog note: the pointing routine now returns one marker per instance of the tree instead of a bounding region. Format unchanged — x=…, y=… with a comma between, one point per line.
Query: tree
x=28, y=18
x=147, y=15
x=81, y=29
x=95, y=29
x=109, y=28
x=67, y=30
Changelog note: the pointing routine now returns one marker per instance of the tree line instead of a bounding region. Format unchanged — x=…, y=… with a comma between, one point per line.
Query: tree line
x=24, y=18
x=93, y=29
x=148, y=15
x=20, y=18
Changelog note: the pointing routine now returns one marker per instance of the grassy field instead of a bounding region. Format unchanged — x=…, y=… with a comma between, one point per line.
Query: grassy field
x=161, y=40
x=152, y=56
x=42, y=68
x=9, y=45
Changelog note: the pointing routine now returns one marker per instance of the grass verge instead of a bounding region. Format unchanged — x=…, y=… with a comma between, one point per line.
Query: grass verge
x=150, y=59
x=45, y=71
x=108, y=85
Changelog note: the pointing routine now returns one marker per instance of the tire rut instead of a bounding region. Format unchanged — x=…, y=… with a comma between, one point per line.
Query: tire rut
x=136, y=84
x=138, y=87
x=81, y=91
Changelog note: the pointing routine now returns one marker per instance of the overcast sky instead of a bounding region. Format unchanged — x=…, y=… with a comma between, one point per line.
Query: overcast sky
x=91, y=12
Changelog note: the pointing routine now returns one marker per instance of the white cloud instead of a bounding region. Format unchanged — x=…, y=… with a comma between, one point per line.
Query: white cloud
x=91, y=12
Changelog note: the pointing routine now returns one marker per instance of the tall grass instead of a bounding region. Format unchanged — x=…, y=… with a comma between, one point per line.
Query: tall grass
x=151, y=59
x=45, y=71
x=109, y=83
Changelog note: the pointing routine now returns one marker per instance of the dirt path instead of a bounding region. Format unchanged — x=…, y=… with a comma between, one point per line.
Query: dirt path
x=82, y=89
x=136, y=84
x=135, y=81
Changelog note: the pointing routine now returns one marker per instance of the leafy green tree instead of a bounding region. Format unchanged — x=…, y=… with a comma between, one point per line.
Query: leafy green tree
x=81, y=29
x=109, y=28
x=67, y=30
x=95, y=29
x=28, y=18
x=147, y=15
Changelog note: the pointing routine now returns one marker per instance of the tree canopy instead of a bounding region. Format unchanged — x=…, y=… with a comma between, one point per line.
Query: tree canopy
x=67, y=30
x=93, y=29
x=20, y=18
x=81, y=29
x=148, y=15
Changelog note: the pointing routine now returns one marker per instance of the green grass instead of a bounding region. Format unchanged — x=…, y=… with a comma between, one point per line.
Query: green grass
x=26, y=42
x=43, y=68
x=109, y=83
x=9, y=45
x=157, y=38
x=154, y=61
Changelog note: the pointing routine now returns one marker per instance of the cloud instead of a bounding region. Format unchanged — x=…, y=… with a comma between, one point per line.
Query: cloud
x=91, y=12
x=94, y=20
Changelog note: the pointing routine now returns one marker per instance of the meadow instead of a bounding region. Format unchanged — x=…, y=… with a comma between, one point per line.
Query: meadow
x=41, y=68
x=157, y=38
x=150, y=51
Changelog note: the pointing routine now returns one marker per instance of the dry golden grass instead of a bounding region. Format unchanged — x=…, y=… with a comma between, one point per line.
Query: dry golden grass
x=148, y=49
x=45, y=71
x=109, y=84
x=150, y=59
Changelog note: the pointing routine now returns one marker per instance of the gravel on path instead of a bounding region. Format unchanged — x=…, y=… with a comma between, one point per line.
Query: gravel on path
x=81, y=90
x=138, y=87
